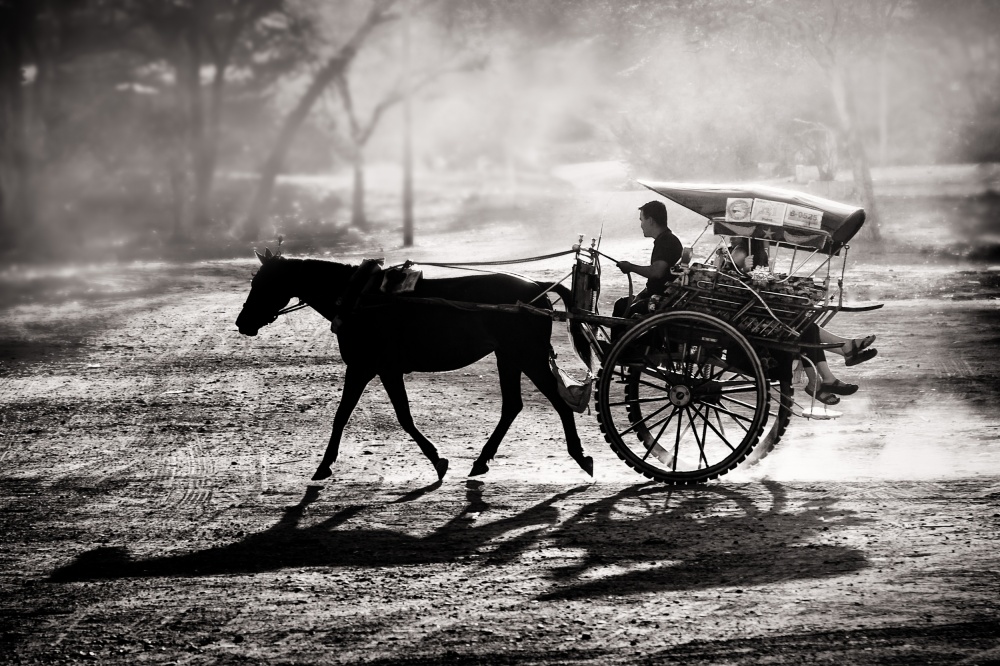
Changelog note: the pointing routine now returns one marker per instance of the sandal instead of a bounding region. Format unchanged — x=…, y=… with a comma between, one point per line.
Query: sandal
x=823, y=395
x=839, y=387
x=852, y=346
x=860, y=357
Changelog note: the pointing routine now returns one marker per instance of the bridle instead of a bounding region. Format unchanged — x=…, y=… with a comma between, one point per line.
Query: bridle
x=285, y=310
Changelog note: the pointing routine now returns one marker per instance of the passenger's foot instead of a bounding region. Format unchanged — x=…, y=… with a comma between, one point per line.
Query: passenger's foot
x=840, y=388
x=823, y=395
x=860, y=357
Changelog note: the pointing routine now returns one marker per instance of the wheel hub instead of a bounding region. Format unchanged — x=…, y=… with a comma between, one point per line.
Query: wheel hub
x=680, y=395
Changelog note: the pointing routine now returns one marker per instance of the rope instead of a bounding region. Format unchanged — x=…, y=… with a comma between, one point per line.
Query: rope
x=459, y=264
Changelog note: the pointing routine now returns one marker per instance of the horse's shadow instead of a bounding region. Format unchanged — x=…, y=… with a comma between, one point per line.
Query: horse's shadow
x=641, y=539
x=287, y=544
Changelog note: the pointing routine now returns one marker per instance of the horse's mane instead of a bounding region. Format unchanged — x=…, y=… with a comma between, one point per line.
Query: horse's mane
x=315, y=268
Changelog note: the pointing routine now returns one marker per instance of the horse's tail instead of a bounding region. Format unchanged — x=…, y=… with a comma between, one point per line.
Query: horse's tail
x=580, y=341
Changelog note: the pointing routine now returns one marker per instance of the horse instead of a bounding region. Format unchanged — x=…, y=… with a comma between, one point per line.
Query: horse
x=425, y=331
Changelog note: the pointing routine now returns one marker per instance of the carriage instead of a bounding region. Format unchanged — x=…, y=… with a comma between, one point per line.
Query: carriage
x=690, y=385
x=702, y=381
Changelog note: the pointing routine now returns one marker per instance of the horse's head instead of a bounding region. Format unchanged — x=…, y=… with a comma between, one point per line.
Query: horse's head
x=269, y=293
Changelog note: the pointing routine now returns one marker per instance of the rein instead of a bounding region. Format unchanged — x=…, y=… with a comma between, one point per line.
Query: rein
x=291, y=308
x=507, y=262
x=467, y=265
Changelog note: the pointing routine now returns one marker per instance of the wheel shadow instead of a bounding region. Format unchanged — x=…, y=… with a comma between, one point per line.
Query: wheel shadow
x=650, y=538
x=641, y=539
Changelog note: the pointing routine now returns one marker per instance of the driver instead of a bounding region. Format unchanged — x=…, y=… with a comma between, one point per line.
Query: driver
x=667, y=250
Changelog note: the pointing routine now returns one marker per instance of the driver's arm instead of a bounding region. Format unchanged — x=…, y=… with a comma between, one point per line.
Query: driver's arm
x=657, y=270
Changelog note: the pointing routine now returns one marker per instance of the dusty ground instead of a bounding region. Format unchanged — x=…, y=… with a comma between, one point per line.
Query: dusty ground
x=155, y=504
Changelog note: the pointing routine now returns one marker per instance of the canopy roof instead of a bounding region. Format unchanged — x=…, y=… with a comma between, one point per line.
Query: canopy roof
x=760, y=211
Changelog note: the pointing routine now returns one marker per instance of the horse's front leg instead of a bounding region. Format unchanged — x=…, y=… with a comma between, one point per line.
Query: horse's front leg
x=394, y=387
x=355, y=381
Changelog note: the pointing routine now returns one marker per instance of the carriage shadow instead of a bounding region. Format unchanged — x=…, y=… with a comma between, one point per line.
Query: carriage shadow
x=642, y=539
x=697, y=539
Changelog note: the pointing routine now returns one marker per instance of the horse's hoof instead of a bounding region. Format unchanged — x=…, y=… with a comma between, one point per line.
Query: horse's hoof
x=587, y=464
x=322, y=473
x=479, y=468
x=441, y=466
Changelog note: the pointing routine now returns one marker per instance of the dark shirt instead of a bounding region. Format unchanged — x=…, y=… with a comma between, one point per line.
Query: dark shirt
x=668, y=248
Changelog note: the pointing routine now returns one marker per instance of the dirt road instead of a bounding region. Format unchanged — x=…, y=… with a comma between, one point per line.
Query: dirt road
x=155, y=504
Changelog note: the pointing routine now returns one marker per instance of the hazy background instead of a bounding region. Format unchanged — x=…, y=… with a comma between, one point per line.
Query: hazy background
x=196, y=128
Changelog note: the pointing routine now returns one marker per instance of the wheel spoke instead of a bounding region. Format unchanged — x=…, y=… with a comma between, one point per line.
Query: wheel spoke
x=656, y=440
x=733, y=415
x=636, y=401
x=720, y=435
x=677, y=446
x=738, y=387
x=700, y=441
x=738, y=402
x=722, y=369
x=704, y=429
x=642, y=421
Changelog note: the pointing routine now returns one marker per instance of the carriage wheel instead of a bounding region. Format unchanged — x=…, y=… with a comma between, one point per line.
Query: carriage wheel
x=782, y=398
x=682, y=397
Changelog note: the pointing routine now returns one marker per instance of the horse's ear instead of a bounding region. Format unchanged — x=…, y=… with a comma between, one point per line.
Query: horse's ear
x=267, y=253
x=260, y=256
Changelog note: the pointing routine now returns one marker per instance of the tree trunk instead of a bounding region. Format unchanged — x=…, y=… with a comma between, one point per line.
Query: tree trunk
x=196, y=127
x=333, y=68
x=407, y=133
x=17, y=168
x=843, y=98
x=208, y=150
x=358, y=218
x=178, y=158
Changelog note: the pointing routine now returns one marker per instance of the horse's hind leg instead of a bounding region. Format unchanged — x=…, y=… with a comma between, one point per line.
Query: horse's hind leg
x=393, y=383
x=355, y=381
x=541, y=377
x=510, y=391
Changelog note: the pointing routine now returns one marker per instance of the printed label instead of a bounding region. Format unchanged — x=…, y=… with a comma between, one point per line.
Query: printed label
x=798, y=216
x=738, y=210
x=768, y=212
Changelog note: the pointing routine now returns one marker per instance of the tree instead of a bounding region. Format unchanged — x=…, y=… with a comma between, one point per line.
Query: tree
x=193, y=35
x=836, y=34
x=332, y=68
x=18, y=31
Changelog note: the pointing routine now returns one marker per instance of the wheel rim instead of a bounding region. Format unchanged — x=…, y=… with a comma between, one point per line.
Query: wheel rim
x=779, y=416
x=683, y=397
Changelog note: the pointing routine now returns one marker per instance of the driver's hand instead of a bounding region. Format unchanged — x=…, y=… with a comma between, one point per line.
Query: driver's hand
x=625, y=266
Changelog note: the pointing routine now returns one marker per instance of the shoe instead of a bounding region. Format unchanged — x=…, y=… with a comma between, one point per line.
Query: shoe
x=839, y=387
x=860, y=357
x=823, y=395
x=866, y=342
